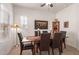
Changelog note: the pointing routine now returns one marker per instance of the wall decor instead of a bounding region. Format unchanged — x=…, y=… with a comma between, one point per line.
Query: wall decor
x=66, y=24
x=41, y=24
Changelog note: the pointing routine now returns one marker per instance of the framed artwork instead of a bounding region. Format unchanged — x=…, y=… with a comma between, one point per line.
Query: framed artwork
x=41, y=24
x=66, y=24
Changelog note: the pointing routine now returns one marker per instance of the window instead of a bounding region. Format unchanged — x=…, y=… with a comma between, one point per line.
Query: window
x=23, y=21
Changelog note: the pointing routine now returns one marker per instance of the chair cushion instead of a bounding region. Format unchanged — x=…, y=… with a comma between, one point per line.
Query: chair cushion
x=28, y=46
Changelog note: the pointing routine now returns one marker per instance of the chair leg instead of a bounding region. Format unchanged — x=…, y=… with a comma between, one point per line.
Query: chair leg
x=64, y=44
x=52, y=51
x=61, y=48
x=33, y=51
x=21, y=52
x=59, y=51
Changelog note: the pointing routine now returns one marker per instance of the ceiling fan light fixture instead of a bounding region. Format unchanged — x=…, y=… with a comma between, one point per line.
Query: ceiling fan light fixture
x=51, y=5
x=47, y=4
x=43, y=4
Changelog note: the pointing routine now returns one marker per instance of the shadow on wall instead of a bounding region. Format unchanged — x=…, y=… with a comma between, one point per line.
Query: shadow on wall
x=72, y=39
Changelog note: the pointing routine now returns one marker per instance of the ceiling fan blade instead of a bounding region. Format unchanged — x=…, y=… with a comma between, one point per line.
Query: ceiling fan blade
x=43, y=4
x=51, y=5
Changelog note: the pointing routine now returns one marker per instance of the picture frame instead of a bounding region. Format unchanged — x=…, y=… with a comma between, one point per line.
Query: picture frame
x=66, y=24
x=41, y=24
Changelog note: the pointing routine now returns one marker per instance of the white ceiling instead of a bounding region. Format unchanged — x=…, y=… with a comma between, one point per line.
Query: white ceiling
x=56, y=6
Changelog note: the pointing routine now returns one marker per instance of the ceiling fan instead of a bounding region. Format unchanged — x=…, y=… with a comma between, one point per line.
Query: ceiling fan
x=51, y=5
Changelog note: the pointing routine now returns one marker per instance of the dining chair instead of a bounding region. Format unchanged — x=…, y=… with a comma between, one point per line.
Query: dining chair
x=24, y=46
x=44, y=44
x=63, y=38
x=44, y=32
x=57, y=42
x=37, y=33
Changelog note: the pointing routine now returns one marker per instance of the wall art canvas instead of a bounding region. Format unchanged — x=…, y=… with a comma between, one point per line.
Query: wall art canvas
x=41, y=24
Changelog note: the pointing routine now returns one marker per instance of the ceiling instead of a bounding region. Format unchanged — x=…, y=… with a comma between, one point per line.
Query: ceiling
x=36, y=6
